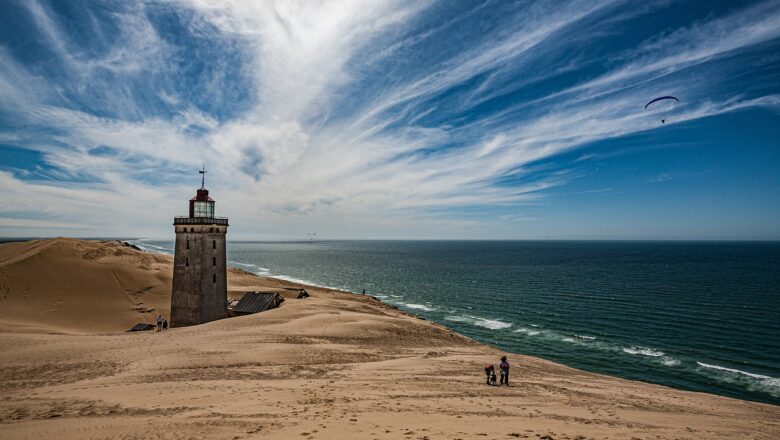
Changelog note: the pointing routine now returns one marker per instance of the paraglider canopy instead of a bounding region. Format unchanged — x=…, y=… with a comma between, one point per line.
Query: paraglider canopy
x=661, y=99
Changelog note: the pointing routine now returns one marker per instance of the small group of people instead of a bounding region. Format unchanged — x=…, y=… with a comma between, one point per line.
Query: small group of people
x=490, y=372
x=162, y=323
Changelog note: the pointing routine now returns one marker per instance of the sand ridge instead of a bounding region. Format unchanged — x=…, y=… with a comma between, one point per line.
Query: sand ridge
x=333, y=366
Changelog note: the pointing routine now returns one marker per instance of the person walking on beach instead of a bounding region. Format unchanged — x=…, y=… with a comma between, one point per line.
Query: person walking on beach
x=159, y=322
x=504, y=366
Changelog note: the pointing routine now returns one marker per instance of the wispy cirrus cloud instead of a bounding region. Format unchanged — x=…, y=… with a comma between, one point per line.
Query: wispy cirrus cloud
x=341, y=115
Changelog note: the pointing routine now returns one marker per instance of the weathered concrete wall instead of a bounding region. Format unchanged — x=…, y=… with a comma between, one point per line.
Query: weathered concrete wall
x=199, y=275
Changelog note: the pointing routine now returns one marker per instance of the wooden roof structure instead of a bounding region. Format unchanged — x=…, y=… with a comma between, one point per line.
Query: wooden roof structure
x=256, y=302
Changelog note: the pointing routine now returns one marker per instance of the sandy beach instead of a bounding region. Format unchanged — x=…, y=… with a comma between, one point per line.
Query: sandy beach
x=332, y=366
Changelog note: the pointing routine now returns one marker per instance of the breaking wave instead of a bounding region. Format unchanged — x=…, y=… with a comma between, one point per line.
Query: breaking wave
x=527, y=331
x=419, y=307
x=735, y=371
x=493, y=324
x=751, y=381
x=643, y=351
x=148, y=247
x=670, y=361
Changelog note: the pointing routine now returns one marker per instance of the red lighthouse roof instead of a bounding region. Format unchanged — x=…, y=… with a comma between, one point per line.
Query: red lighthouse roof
x=202, y=196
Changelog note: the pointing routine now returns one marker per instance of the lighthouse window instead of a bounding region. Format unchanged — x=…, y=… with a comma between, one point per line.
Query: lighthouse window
x=203, y=209
x=213, y=244
x=187, y=262
x=213, y=261
x=188, y=244
x=211, y=229
x=214, y=278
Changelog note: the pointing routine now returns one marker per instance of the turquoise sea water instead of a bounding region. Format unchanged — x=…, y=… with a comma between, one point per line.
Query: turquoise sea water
x=697, y=316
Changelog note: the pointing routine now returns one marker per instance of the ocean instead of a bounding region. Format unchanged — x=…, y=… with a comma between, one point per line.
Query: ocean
x=700, y=316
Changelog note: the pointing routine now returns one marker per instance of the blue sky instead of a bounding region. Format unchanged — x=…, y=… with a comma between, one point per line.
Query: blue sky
x=392, y=119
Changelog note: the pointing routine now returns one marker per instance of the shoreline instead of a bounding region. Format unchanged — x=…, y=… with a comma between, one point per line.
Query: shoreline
x=334, y=365
x=296, y=282
x=160, y=251
x=751, y=386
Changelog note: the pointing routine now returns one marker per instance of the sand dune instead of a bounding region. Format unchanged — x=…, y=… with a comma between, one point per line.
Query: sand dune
x=333, y=366
x=82, y=286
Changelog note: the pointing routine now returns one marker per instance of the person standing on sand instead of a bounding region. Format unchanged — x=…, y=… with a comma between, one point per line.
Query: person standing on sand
x=504, y=366
x=159, y=322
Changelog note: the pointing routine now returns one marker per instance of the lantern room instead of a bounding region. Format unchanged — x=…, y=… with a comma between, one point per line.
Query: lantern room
x=202, y=206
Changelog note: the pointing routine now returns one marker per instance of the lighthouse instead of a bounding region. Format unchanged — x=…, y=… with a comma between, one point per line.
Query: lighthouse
x=199, y=291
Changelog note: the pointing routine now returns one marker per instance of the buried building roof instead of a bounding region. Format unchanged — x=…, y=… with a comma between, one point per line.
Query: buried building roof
x=254, y=302
x=302, y=293
x=140, y=327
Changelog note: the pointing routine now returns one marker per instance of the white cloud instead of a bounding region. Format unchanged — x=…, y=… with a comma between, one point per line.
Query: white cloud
x=293, y=159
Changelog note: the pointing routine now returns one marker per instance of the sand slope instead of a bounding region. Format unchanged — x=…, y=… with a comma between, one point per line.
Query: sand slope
x=333, y=366
x=74, y=285
x=69, y=285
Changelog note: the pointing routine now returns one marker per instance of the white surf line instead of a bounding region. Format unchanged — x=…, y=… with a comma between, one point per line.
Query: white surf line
x=735, y=371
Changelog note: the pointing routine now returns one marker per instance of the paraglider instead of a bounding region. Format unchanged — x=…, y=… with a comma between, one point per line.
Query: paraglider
x=661, y=98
